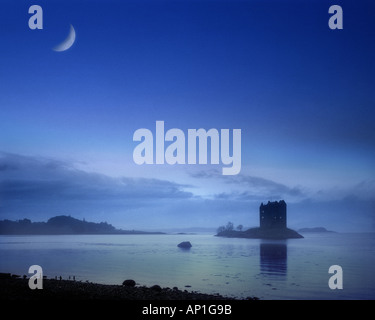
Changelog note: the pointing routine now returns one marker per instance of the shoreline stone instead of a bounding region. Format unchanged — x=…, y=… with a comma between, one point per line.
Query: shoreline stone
x=129, y=283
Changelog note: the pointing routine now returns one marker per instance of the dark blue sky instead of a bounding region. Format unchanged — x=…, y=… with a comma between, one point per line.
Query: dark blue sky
x=302, y=94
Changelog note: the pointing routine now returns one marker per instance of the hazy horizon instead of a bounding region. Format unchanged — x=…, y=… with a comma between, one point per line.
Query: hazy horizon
x=301, y=93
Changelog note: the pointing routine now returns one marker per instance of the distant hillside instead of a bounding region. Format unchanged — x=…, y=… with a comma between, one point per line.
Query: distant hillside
x=315, y=229
x=62, y=225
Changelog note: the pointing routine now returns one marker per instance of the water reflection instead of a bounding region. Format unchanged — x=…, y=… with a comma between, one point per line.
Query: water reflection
x=273, y=258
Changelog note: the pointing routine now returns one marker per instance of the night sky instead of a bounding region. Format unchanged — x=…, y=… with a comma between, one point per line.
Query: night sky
x=302, y=94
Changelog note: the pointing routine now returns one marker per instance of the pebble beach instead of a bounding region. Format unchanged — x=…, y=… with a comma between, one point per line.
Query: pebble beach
x=17, y=288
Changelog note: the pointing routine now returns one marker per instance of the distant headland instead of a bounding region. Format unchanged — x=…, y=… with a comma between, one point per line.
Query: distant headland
x=62, y=225
x=315, y=230
x=272, y=219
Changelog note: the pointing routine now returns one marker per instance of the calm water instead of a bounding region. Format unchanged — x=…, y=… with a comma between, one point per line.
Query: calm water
x=291, y=269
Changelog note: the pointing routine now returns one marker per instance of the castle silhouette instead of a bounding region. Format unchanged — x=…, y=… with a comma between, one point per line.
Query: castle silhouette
x=272, y=215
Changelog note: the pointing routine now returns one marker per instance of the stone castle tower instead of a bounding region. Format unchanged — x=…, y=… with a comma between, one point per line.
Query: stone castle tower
x=273, y=215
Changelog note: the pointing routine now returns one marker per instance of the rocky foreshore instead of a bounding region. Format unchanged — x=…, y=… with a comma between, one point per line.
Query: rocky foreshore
x=13, y=288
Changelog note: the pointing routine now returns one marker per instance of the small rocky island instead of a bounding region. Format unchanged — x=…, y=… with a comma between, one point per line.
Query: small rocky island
x=272, y=218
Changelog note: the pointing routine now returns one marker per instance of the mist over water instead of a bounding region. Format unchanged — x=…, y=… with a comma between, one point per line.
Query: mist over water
x=284, y=269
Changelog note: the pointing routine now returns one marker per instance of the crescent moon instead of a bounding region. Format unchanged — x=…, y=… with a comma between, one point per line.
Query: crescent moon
x=68, y=42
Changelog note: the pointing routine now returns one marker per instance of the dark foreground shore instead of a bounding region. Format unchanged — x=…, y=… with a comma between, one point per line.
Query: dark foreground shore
x=18, y=289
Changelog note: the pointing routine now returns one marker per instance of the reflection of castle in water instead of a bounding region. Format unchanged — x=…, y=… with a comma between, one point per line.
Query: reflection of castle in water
x=273, y=259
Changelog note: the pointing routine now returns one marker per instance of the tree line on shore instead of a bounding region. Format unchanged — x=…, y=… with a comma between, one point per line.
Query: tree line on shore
x=62, y=225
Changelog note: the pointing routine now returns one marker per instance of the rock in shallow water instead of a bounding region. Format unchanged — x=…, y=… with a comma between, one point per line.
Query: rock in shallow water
x=185, y=245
